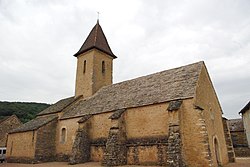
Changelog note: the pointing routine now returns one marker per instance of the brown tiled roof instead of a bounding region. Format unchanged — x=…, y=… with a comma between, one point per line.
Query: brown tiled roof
x=178, y=83
x=58, y=106
x=247, y=107
x=235, y=125
x=97, y=40
x=34, y=124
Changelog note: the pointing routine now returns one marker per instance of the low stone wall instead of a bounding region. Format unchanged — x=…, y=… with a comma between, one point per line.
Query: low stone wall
x=242, y=152
x=62, y=158
x=230, y=149
x=239, y=139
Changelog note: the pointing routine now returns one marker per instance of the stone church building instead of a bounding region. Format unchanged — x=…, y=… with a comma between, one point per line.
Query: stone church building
x=170, y=118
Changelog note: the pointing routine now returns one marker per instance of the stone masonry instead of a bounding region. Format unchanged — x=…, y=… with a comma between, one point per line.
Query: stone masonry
x=174, y=147
x=230, y=149
x=81, y=146
x=116, y=151
x=201, y=122
x=45, y=149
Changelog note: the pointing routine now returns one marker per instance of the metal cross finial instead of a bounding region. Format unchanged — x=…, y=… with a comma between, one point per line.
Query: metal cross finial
x=98, y=14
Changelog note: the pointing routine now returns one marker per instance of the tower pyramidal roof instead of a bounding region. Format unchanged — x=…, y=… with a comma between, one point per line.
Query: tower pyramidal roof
x=96, y=39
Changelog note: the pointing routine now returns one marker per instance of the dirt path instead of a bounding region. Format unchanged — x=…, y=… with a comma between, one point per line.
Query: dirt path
x=61, y=164
x=240, y=162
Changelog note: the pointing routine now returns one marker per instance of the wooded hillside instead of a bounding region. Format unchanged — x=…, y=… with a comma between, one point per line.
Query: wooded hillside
x=25, y=111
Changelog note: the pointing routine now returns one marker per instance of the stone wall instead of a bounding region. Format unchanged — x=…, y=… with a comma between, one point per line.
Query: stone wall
x=33, y=146
x=116, y=148
x=147, y=121
x=147, y=134
x=174, y=149
x=21, y=147
x=242, y=152
x=239, y=138
x=100, y=125
x=207, y=102
x=240, y=144
x=246, y=121
x=81, y=148
x=115, y=152
x=64, y=149
x=154, y=135
x=195, y=142
x=165, y=137
x=97, y=152
x=99, y=132
x=147, y=152
x=102, y=78
x=45, y=143
x=157, y=143
x=230, y=149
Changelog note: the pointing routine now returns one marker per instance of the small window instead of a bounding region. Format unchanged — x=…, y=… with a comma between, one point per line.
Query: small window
x=4, y=151
x=103, y=66
x=11, y=147
x=0, y=151
x=84, y=66
x=63, y=135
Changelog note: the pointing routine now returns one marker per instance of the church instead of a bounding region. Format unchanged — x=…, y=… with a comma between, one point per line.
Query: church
x=169, y=118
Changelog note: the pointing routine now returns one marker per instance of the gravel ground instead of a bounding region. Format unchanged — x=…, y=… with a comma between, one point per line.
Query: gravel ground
x=240, y=162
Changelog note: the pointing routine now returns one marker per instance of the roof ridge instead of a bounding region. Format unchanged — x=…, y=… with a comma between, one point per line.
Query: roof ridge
x=148, y=75
x=8, y=117
x=35, y=123
x=58, y=106
x=245, y=108
x=95, y=38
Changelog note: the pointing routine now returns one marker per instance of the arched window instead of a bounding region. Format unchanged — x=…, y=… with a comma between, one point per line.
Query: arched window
x=63, y=135
x=103, y=66
x=84, y=66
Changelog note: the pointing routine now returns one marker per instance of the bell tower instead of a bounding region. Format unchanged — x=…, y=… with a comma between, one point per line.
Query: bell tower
x=94, y=63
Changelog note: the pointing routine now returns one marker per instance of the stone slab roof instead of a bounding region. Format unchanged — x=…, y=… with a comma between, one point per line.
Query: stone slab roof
x=3, y=119
x=177, y=83
x=9, y=117
x=58, y=106
x=247, y=107
x=235, y=125
x=34, y=124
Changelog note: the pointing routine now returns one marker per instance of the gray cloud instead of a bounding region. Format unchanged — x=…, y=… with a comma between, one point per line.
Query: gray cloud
x=38, y=39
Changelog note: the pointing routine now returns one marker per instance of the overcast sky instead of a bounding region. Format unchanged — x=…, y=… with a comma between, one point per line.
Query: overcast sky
x=39, y=37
